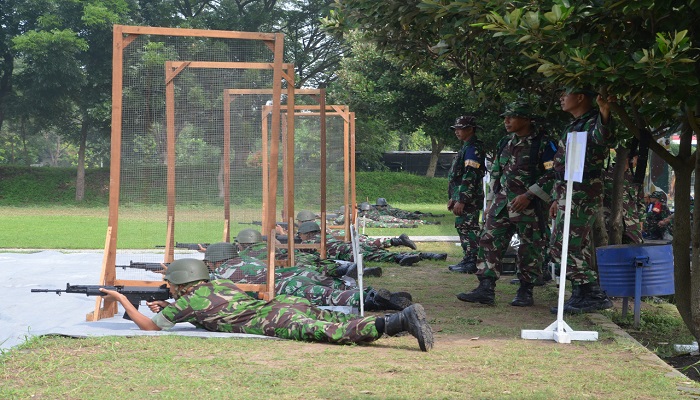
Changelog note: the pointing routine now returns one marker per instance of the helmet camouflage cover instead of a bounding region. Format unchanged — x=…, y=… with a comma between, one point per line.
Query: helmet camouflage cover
x=465, y=121
x=518, y=109
x=186, y=270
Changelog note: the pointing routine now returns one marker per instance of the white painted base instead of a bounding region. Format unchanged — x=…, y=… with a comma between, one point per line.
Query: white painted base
x=563, y=335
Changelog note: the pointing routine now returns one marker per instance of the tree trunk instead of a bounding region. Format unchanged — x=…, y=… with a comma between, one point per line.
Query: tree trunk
x=80, y=179
x=687, y=284
x=616, y=222
x=436, y=146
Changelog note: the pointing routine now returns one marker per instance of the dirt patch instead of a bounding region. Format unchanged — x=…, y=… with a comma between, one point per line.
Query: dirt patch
x=687, y=364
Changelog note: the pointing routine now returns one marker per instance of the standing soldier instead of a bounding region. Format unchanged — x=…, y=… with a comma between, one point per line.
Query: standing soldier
x=586, y=198
x=466, y=191
x=521, y=177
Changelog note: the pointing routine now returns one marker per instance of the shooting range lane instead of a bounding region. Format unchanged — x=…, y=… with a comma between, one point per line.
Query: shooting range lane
x=24, y=314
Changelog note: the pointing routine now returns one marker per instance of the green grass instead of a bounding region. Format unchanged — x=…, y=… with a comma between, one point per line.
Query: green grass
x=478, y=351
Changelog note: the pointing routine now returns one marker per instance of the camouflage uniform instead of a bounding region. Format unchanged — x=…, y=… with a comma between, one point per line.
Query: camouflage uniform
x=342, y=250
x=318, y=289
x=221, y=307
x=384, y=218
x=465, y=186
x=512, y=175
x=258, y=252
x=657, y=212
x=587, y=196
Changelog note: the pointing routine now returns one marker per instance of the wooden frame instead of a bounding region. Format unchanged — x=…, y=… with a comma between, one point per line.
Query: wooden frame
x=122, y=36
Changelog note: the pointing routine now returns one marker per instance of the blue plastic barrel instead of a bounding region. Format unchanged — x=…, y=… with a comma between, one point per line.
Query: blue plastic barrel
x=617, y=266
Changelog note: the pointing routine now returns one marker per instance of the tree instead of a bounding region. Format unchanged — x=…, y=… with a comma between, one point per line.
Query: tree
x=640, y=51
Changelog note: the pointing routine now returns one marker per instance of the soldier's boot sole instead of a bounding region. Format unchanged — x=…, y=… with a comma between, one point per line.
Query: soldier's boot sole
x=417, y=325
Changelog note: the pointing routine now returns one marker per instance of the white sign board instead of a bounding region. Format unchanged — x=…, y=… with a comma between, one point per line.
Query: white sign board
x=575, y=156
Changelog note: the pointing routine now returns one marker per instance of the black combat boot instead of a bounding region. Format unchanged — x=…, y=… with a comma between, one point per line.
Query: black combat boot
x=466, y=266
x=383, y=299
x=403, y=240
x=523, y=298
x=484, y=293
x=351, y=271
x=576, y=296
x=593, y=298
x=433, y=256
x=412, y=320
x=406, y=258
x=344, y=268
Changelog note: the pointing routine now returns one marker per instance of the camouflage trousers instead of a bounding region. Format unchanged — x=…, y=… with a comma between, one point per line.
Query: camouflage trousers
x=468, y=229
x=633, y=231
x=313, y=261
x=495, y=239
x=344, y=252
x=320, y=292
x=370, y=223
x=290, y=317
x=584, y=206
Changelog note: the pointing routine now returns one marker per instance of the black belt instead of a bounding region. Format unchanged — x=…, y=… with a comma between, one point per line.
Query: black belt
x=586, y=175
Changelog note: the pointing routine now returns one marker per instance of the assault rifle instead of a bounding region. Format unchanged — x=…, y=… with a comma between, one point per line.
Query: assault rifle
x=148, y=266
x=284, y=225
x=133, y=293
x=188, y=246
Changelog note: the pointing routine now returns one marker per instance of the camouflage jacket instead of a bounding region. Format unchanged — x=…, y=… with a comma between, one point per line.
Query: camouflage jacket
x=600, y=139
x=513, y=172
x=466, y=175
x=218, y=306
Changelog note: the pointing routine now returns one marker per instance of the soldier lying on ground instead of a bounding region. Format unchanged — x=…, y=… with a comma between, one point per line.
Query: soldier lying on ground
x=223, y=263
x=310, y=232
x=221, y=306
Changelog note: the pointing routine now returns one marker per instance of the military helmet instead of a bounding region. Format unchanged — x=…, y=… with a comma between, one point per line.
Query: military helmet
x=309, y=226
x=658, y=195
x=381, y=202
x=186, y=270
x=465, y=121
x=341, y=210
x=220, y=251
x=365, y=206
x=306, y=215
x=518, y=109
x=248, y=236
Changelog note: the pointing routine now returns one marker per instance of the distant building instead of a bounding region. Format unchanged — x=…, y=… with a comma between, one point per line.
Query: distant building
x=415, y=162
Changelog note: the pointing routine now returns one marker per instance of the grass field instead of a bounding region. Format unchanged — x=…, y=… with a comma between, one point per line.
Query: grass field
x=478, y=352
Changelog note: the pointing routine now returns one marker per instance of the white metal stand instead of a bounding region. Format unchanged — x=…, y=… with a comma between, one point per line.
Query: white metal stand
x=357, y=255
x=559, y=330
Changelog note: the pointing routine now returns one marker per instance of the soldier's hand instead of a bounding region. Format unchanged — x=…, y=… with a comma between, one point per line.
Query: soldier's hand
x=458, y=208
x=553, y=210
x=156, y=306
x=111, y=294
x=519, y=203
x=450, y=205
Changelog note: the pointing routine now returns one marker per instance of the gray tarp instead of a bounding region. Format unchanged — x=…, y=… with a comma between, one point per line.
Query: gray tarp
x=24, y=314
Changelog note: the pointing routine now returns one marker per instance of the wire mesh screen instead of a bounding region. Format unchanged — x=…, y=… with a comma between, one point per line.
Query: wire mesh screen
x=307, y=161
x=175, y=93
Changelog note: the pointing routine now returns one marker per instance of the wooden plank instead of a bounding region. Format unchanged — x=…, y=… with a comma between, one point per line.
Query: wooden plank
x=224, y=64
x=150, y=30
